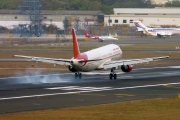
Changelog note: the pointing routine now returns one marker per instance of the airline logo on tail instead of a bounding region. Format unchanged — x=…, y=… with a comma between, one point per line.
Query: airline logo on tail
x=139, y=25
x=86, y=33
x=89, y=36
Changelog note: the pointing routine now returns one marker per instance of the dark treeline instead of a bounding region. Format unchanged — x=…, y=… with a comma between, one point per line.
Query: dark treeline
x=103, y=5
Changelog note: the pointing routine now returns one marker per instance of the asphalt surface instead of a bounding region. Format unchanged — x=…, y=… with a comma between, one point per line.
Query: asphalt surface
x=60, y=90
x=39, y=91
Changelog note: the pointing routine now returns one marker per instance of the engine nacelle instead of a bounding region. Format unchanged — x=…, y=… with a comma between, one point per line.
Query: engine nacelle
x=72, y=69
x=126, y=68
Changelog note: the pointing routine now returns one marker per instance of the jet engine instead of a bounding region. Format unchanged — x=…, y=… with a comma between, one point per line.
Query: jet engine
x=72, y=69
x=126, y=68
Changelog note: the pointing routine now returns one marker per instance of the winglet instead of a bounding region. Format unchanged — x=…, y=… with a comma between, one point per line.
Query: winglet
x=75, y=44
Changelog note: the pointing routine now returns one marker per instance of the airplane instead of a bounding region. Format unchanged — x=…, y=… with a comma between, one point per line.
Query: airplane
x=159, y=32
x=99, y=38
x=102, y=58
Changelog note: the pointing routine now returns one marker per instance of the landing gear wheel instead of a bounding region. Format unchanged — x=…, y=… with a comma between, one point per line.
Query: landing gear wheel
x=112, y=74
x=78, y=75
x=115, y=76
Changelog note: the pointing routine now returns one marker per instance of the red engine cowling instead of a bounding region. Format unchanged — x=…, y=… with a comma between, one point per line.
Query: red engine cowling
x=72, y=69
x=126, y=68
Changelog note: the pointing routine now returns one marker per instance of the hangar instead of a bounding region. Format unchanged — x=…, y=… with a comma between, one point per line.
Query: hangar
x=152, y=17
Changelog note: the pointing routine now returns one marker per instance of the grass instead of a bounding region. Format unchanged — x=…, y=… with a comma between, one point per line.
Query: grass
x=165, y=109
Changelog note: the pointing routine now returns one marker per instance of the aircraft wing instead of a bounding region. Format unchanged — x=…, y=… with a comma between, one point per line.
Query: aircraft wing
x=47, y=60
x=112, y=64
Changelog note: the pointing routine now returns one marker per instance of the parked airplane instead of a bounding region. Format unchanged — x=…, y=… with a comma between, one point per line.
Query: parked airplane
x=105, y=57
x=159, y=32
x=99, y=38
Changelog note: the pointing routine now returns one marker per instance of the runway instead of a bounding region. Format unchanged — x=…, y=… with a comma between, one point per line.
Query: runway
x=59, y=90
x=40, y=91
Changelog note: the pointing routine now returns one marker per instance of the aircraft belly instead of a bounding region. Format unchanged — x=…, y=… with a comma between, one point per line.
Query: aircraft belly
x=118, y=57
x=88, y=67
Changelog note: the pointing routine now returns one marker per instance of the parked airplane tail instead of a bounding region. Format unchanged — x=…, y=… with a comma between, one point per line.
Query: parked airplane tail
x=139, y=25
x=75, y=44
x=86, y=33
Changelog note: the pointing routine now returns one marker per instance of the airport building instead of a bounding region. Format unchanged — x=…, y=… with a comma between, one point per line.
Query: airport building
x=152, y=17
x=11, y=18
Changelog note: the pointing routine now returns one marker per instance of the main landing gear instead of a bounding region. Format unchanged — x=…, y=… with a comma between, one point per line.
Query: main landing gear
x=78, y=75
x=112, y=74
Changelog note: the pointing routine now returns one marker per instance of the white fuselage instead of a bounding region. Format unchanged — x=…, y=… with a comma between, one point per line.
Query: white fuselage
x=102, y=55
x=162, y=31
x=156, y=31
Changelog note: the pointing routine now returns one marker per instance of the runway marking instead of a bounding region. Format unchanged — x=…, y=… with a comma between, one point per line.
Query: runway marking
x=79, y=88
x=55, y=88
x=87, y=91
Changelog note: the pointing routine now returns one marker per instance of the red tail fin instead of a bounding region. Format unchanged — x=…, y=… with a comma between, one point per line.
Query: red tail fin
x=75, y=44
x=86, y=33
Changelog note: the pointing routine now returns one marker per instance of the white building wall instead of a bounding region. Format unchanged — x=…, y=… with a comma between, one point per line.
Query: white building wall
x=159, y=1
x=150, y=17
x=157, y=11
x=148, y=21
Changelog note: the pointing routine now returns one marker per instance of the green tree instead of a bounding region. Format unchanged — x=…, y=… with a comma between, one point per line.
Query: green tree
x=172, y=4
x=105, y=6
